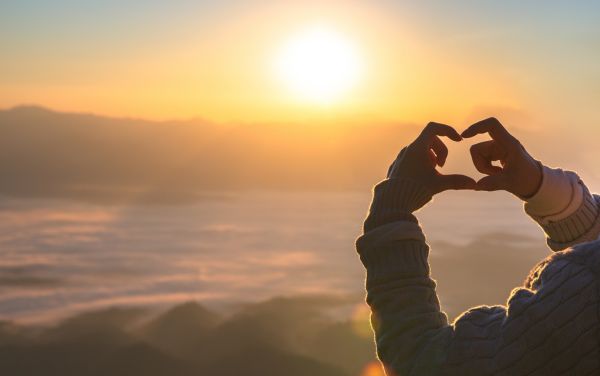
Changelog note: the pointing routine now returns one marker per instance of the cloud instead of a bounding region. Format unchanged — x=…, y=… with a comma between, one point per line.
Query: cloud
x=222, y=252
x=28, y=275
x=7, y=280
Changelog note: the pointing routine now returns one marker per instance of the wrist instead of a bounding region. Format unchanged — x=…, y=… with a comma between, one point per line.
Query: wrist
x=558, y=194
x=396, y=199
x=537, y=178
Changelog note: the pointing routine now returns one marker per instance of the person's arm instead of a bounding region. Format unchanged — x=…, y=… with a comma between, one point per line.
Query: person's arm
x=533, y=333
x=548, y=327
x=411, y=331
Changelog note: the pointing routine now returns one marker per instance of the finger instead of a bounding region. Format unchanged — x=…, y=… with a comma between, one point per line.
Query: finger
x=446, y=182
x=440, y=150
x=432, y=157
x=438, y=129
x=492, y=183
x=391, y=169
x=483, y=154
x=490, y=125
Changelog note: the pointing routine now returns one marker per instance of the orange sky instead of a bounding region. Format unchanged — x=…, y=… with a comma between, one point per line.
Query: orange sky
x=216, y=61
x=535, y=67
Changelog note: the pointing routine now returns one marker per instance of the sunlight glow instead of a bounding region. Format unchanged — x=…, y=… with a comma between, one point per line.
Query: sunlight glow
x=373, y=369
x=319, y=65
x=361, y=321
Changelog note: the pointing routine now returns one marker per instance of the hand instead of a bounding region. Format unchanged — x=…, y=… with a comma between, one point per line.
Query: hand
x=418, y=161
x=520, y=174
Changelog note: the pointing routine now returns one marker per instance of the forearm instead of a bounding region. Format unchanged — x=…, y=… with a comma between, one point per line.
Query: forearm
x=402, y=297
x=400, y=292
x=394, y=200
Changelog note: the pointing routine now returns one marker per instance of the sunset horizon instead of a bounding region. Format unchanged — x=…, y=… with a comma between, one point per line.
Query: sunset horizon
x=429, y=70
x=299, y=188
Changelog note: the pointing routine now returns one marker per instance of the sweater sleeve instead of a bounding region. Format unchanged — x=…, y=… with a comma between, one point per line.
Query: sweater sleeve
x=413, y=335
x=565, y=209
x=411, y=332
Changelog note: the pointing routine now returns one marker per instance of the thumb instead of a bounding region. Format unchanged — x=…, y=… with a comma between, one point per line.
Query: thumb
x=494, y=182
x=446, y=182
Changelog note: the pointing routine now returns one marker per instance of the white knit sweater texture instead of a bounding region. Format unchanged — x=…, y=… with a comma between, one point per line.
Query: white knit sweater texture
x=549, y=326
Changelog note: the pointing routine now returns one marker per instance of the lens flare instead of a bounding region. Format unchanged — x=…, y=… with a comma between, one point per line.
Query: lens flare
x=373, y=369
x=361, y=321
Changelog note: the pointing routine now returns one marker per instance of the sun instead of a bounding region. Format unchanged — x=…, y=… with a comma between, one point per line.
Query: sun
x=319, y=65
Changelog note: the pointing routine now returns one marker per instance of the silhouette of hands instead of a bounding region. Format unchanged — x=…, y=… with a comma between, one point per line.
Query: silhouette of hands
x=418, y=161
x=520, y=173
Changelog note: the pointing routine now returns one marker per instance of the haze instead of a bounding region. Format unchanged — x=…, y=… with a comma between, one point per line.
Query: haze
x=164, y=193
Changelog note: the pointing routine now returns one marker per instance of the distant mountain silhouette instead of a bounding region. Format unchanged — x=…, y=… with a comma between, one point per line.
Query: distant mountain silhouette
x=51, y=154
x=183, y=330
x=282, y=336
x=44, y=153
x=258, y=360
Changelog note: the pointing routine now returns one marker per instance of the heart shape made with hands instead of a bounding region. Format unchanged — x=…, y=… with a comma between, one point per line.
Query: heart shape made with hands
x=518, y=173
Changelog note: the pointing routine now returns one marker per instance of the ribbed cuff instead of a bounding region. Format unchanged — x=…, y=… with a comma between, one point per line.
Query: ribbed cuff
x=581, y=226
x=395, y=199
x=559, y=195
x=394, y=249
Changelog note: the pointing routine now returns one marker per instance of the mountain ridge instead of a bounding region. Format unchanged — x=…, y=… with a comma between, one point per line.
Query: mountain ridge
x=51, y=154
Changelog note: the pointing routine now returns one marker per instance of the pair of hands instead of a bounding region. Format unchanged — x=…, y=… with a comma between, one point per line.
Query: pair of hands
x=520, y=173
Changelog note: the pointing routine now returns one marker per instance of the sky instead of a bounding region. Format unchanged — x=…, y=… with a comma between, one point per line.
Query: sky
x=215, y=60
x=224, y=152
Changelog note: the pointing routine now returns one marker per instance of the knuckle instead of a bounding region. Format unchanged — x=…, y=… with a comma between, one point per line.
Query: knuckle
x=514, y=146
x=494, y=120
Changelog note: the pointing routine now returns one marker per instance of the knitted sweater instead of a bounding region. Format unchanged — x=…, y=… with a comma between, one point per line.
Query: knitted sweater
x=549, y=326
